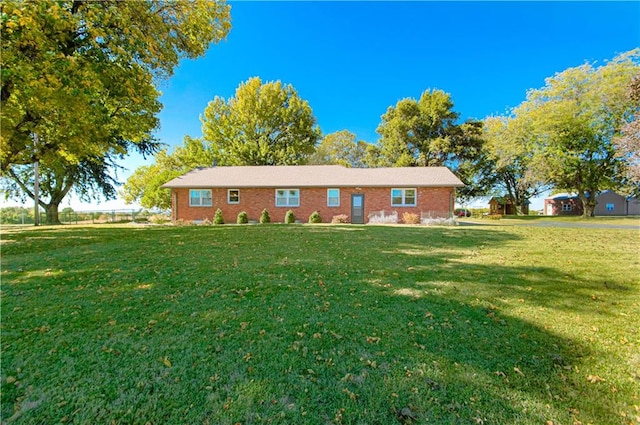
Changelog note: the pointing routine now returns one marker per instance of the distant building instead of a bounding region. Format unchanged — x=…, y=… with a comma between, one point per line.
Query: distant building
x=505, y=205
x=608, y=203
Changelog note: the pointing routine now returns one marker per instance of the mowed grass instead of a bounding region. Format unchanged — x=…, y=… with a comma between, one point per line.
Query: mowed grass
x=304, y=324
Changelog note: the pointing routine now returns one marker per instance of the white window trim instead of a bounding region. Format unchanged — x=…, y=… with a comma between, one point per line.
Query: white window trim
x=229, y=196
x=404, y=203
x=328, y=197
x=288, y=204
x=200, y=197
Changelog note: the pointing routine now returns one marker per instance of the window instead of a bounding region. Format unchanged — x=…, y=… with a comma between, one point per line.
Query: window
x=403, y=197
x=233, y=196
x=610, y=207
x=567, y=207
x=287, y=197
x=333, y=197
x=200, y=198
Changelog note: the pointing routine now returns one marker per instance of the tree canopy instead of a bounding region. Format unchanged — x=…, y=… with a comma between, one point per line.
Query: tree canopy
x=341, y=148
x=81, y=76
x=263, y=124
x=575, y=119
x=144, y=185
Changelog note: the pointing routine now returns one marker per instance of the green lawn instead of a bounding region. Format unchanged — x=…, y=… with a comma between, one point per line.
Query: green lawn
x=298, y=324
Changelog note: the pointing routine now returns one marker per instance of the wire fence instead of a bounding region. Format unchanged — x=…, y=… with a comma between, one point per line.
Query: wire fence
x=26, y=216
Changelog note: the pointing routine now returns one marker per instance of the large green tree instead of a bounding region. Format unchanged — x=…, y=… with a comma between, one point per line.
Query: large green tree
x=78, y=83
x=509, y=149
x=341, y=148
x=421, y=132
x=627, y=144
x=576, y=118
x=263, y=124
x=144, y=185
x=426, y=132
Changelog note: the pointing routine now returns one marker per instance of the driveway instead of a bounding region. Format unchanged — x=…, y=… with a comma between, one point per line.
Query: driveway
x=536, y=223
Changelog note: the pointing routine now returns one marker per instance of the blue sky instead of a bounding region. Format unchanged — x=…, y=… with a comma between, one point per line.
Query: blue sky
x=352, y=60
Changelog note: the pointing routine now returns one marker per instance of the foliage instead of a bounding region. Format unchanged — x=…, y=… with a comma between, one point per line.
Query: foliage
x=289, y=217
x=315, y=217
x=467, y=335
x=263, y=124
x=424, y=132
x=340, y=218
x=510, y=146
x=575, y=118
x=242, y=218
x=78, y=91
x=410, y=218
x=628, y=143
x=217, y=218
x=341, y=148
x=145, y=184
x=265, y=217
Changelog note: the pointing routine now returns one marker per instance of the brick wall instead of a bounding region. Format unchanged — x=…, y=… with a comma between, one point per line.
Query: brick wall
x=437, y=201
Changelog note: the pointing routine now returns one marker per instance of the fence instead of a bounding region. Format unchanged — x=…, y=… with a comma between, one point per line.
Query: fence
x=104, y=216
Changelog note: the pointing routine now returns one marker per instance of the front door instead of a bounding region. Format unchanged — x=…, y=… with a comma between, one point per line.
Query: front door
x=357, y=208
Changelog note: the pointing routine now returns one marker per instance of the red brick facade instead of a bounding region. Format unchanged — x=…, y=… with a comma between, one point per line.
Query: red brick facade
x=436, y=201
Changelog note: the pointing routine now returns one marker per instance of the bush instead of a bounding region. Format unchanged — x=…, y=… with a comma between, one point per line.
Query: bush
x=217, y=219
x=340, y=218
x=315, y=217
x=380, y=217
x=159, y=219
x=439, y=221
x=289, y=217
x=410, y=218
x=242, y=218
x=264, y=217
x=205, y=222
x=493, y=216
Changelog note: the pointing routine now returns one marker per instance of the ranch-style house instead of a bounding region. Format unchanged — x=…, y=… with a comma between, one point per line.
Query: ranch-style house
x=331, y=190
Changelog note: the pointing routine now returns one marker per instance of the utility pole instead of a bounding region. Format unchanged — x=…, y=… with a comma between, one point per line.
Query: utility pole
x=36, y=184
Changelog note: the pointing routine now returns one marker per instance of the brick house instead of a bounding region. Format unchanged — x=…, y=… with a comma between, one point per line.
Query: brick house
x=563, y=204
x=329, y=189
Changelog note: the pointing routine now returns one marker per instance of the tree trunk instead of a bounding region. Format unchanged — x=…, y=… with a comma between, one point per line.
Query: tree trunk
x=588, y=203
x=52, y=213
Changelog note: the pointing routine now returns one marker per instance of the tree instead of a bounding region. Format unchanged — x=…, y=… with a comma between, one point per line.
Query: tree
x=418, y=132
x=426, y=133
x=80, y=75
x=628, y=143
x=144, y=185
x=509, y=149
x=340, y=148
x=575, y=119
x=264, y=124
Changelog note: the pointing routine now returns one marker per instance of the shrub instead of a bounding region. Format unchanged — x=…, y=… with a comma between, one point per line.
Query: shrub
x=439, y=221
x=315, y=217
x=410, y=218
x=205, y=222
x=289, y=217
x=380, y=217
x=493, y=216
x=242, y=218
x=340, y=218
x=264, y=217
x=159, y=219
x=217, y=219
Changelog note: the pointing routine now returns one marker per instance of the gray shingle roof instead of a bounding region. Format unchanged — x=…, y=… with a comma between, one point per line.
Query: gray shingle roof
x=314, y=176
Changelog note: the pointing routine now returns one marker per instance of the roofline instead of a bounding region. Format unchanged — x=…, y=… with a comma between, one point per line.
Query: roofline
x=209, y=186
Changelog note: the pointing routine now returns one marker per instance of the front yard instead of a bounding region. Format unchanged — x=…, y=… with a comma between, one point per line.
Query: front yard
x=280, y=324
